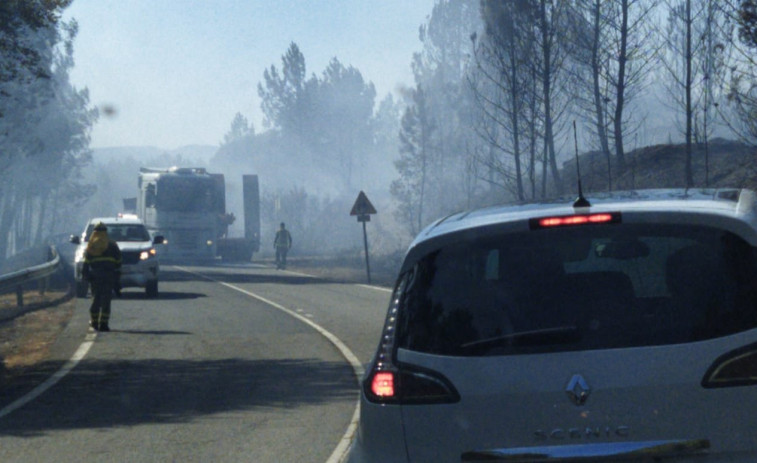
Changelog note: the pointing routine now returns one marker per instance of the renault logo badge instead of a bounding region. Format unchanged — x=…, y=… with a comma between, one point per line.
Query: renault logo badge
x=577, y=390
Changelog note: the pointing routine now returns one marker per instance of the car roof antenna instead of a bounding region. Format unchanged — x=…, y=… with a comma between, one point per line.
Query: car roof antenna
x=581, y=201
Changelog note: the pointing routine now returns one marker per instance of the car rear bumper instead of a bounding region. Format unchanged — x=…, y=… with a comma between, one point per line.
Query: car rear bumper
x=131, y=275
x=137, y=275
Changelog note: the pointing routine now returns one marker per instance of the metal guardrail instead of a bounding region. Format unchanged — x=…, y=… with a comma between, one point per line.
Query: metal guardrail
x=19, y=278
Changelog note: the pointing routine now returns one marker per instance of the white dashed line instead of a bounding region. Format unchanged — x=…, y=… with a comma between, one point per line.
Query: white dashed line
x=379, y=288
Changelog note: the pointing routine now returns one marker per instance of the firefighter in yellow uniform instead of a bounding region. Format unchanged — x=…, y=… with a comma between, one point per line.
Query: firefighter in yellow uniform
x=102, y=268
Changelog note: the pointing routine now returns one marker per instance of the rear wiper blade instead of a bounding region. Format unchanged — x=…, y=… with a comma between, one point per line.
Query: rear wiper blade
x=555, y=335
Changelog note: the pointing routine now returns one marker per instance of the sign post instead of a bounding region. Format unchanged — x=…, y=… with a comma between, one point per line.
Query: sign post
x=363, y=209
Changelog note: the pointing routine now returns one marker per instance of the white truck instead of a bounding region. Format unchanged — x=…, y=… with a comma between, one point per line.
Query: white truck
x=187, y=206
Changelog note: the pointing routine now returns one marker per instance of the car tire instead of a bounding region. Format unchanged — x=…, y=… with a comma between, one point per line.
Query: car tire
x=81, y=288
x=151, y=288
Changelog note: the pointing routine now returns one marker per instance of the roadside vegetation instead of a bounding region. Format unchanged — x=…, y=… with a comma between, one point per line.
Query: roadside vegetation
x=505, y=95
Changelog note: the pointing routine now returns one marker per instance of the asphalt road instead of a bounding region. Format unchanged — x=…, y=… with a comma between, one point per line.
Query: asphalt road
x=228, y=364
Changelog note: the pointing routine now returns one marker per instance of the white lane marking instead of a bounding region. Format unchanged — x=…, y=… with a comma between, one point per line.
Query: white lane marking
x=299, y=274
x=380, y=288
x=307, y=275
x=340, y=452
x=51, y=381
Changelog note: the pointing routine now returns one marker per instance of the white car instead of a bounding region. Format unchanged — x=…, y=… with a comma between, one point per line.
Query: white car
x=139, y=266
x=625, y=330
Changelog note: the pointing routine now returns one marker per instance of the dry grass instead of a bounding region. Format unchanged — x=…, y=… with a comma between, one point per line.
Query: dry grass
x=26, y=340
x=722, y=164
x=346, y=268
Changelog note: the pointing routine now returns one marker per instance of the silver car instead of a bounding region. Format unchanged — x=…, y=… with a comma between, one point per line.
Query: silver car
x=621, y=330
x=139, y=266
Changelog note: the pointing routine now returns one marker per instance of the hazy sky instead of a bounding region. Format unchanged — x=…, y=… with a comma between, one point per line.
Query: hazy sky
x=177, y=71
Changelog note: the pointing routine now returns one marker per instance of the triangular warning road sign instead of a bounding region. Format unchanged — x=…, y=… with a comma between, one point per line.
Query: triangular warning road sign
x=362, y=206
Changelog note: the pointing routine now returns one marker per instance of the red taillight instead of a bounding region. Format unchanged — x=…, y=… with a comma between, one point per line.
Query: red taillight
x=389, y=382
x=383, y=384
x=409, y=385
x=736, y=368
x=579, y=219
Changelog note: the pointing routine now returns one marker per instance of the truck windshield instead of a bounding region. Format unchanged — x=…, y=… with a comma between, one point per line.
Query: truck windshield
x=566, y=289
x=185, y=195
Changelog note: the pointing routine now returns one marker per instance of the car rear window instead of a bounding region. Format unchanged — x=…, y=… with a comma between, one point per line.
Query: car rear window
x=124, y=232
x=589, y=287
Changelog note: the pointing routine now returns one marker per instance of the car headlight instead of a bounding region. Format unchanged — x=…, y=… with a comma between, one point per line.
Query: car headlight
x=144, y=255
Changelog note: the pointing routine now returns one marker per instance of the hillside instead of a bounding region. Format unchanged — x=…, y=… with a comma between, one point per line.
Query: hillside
x=723, y=164
x=195, y=153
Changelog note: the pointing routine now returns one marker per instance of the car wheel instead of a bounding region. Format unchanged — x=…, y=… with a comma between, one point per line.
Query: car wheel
x=81, y=288
x=151, y=289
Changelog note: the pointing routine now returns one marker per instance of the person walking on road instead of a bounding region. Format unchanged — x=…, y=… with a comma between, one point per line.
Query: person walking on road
x=282, y=243
x=102, y=268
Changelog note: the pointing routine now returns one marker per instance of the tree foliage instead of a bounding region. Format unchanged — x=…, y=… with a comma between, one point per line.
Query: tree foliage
x=325, y=136
x=747, y=19
x=282, y=95
x=44, y=123
x=341, y=133
x=414, y=163
x=740, y=110
x=504, y=82
x=694, y=57
x=519, y=88
x=240, y=128
x=436, y=131
x=322, y=124
x=496, y=83
x=23, y=24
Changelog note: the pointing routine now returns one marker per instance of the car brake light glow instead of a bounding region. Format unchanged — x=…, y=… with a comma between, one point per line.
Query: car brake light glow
x=736, y=368
x=576, y=219
x=383, y=384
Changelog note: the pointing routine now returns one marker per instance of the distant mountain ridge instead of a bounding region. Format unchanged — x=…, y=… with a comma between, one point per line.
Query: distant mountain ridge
x=200, y=153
